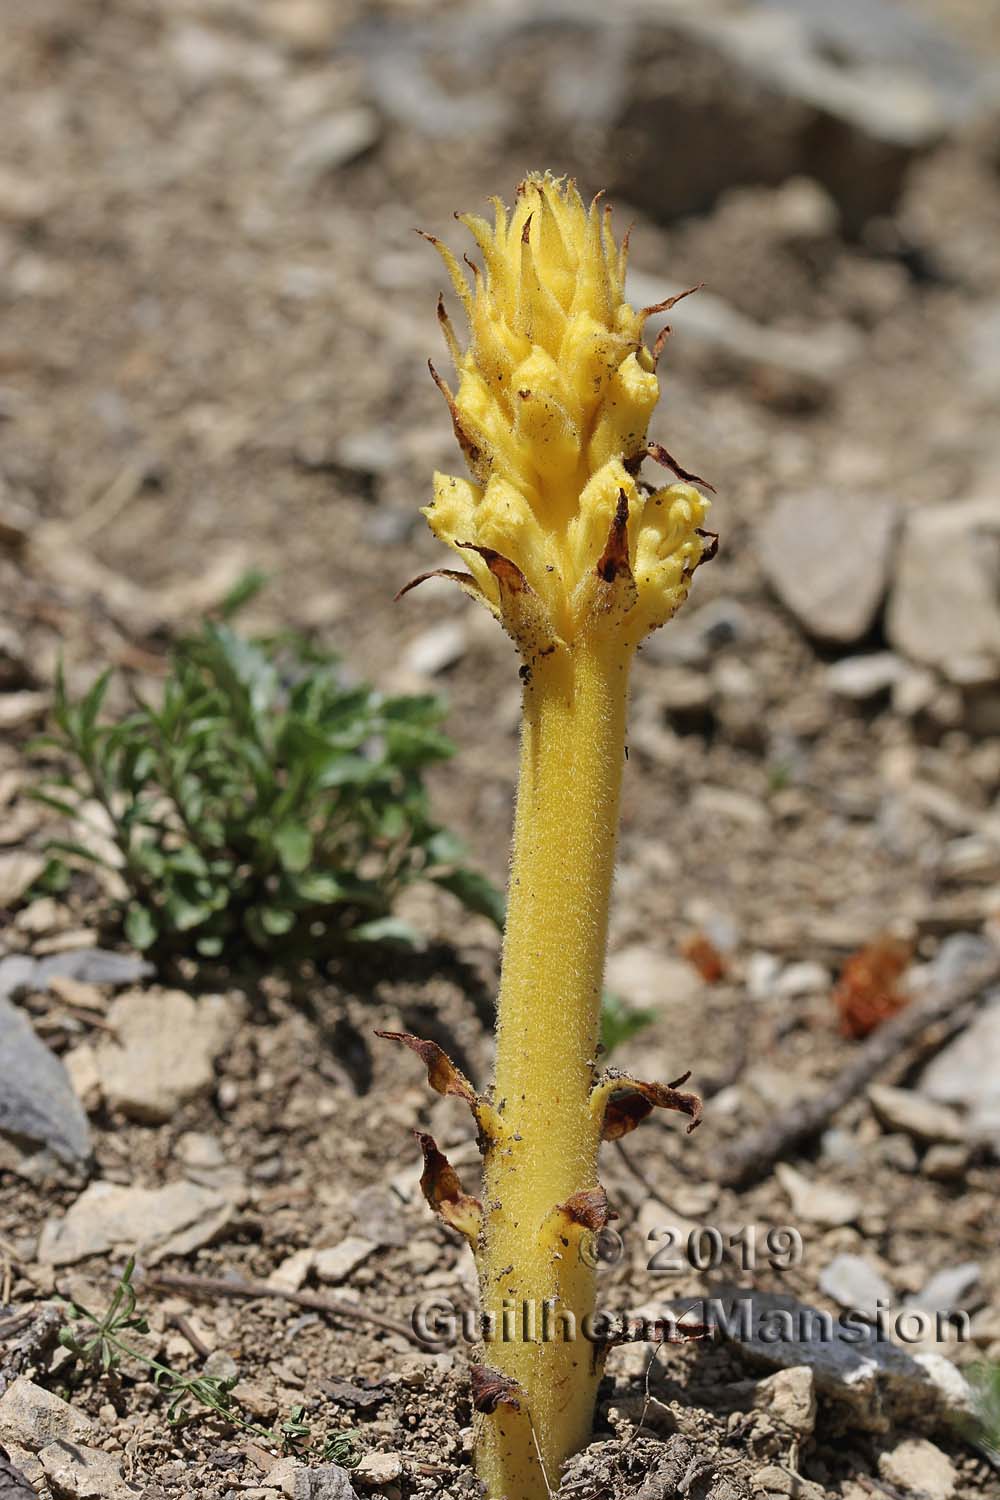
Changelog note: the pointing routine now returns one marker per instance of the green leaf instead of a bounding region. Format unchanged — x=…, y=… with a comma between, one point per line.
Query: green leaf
x=293, y=844
x=210, y=946
x=140, y=927
x=58, y=804
x=316, y=887
x=246, y=587
x=444, y=847
x=620, y=1022
x=182, y=914
x=475, y=892
x=276, y=920
x=390, y=930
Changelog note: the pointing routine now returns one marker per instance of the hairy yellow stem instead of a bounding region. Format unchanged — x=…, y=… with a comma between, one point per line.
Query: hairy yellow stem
x=533, y=1252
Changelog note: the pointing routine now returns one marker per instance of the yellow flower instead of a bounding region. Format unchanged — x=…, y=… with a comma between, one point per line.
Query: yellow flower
x=555, y=392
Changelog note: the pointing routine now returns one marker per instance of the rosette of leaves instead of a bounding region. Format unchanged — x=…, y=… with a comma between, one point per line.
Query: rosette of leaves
x=264, y=800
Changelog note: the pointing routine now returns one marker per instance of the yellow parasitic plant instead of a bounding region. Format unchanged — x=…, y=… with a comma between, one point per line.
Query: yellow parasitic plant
x=578, y=559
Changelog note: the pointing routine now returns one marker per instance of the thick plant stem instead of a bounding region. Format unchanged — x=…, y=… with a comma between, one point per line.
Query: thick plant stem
x=537, y=1279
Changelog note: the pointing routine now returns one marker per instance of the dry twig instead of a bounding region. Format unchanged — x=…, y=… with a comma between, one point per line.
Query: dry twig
x=753, y=1158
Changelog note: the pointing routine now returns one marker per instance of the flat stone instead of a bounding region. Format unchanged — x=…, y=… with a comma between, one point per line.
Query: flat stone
x=869, y=1382
x=436, y=649
x=919, y=1468
x=645, y=976
x=32, y=1417
x=949, y=1289
x=806, y=978
x=826, y=555
x=80, y=1473
x=967, y=1071
x=861, y=678
x=338, y=1261
x=333, y=142
x=790, y=1397
x=325, y=1482
x=915, y=1115
x=37, y=1102
x=18, y=870
x=854, y=1283
x=944, y=608
x=164, y=1050
x=151, y=1222
x=293, y=1270
x=377, y=1469
x=946, y=1163
x=817, y=1202
x=809, y=363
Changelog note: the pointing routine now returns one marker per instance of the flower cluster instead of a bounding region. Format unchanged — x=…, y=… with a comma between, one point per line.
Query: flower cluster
x=555, y=392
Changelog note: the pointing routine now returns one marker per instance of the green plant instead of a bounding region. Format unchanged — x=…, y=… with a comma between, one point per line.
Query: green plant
x=97, y=1340
x=621, y=1022
x=264, y=799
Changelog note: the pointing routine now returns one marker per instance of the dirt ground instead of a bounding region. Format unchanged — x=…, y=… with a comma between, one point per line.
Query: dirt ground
x=212, y=356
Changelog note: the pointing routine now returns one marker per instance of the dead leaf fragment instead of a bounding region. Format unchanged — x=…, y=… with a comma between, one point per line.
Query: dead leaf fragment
x=624, y=1102
x=490, y=1389
x=442, y=1074
x=444, y=1193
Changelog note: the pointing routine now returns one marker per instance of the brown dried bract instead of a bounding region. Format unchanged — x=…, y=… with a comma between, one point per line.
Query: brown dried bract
x=659, y=454
x=867, y=992
x=473, y=453
x=629, y=1100
x=589, y=1208
x=490, y=1389
x=669, y=302
x=506, y=573
x=444, y=1193
x=613, y=561
x=464, y=580
x=442, y=1074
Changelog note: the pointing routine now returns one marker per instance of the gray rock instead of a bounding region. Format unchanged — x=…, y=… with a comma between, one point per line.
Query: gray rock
x=708, y=78
x=967, y=1071
x=164, y=1049
x=19, y=972
x=944, y=606
x=861, y=678
x=32, y=1417
x=37, y=1102
x=826, y=555
x=333, y=142
x=436, y=649
x=948, y=1290
x=817, y=1202
x=918, y=1468
x=337, y=1262
x=816, y=360
x=150, y=1222
x=13, y=1484
x=915, y=1115
x=79, y=1473
x=854, y=1283
x=866, y=1380
x=327, y=1482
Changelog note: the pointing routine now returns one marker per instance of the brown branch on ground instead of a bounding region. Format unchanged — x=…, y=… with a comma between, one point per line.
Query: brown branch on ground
x=237, y=1286
x=945, y=1009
